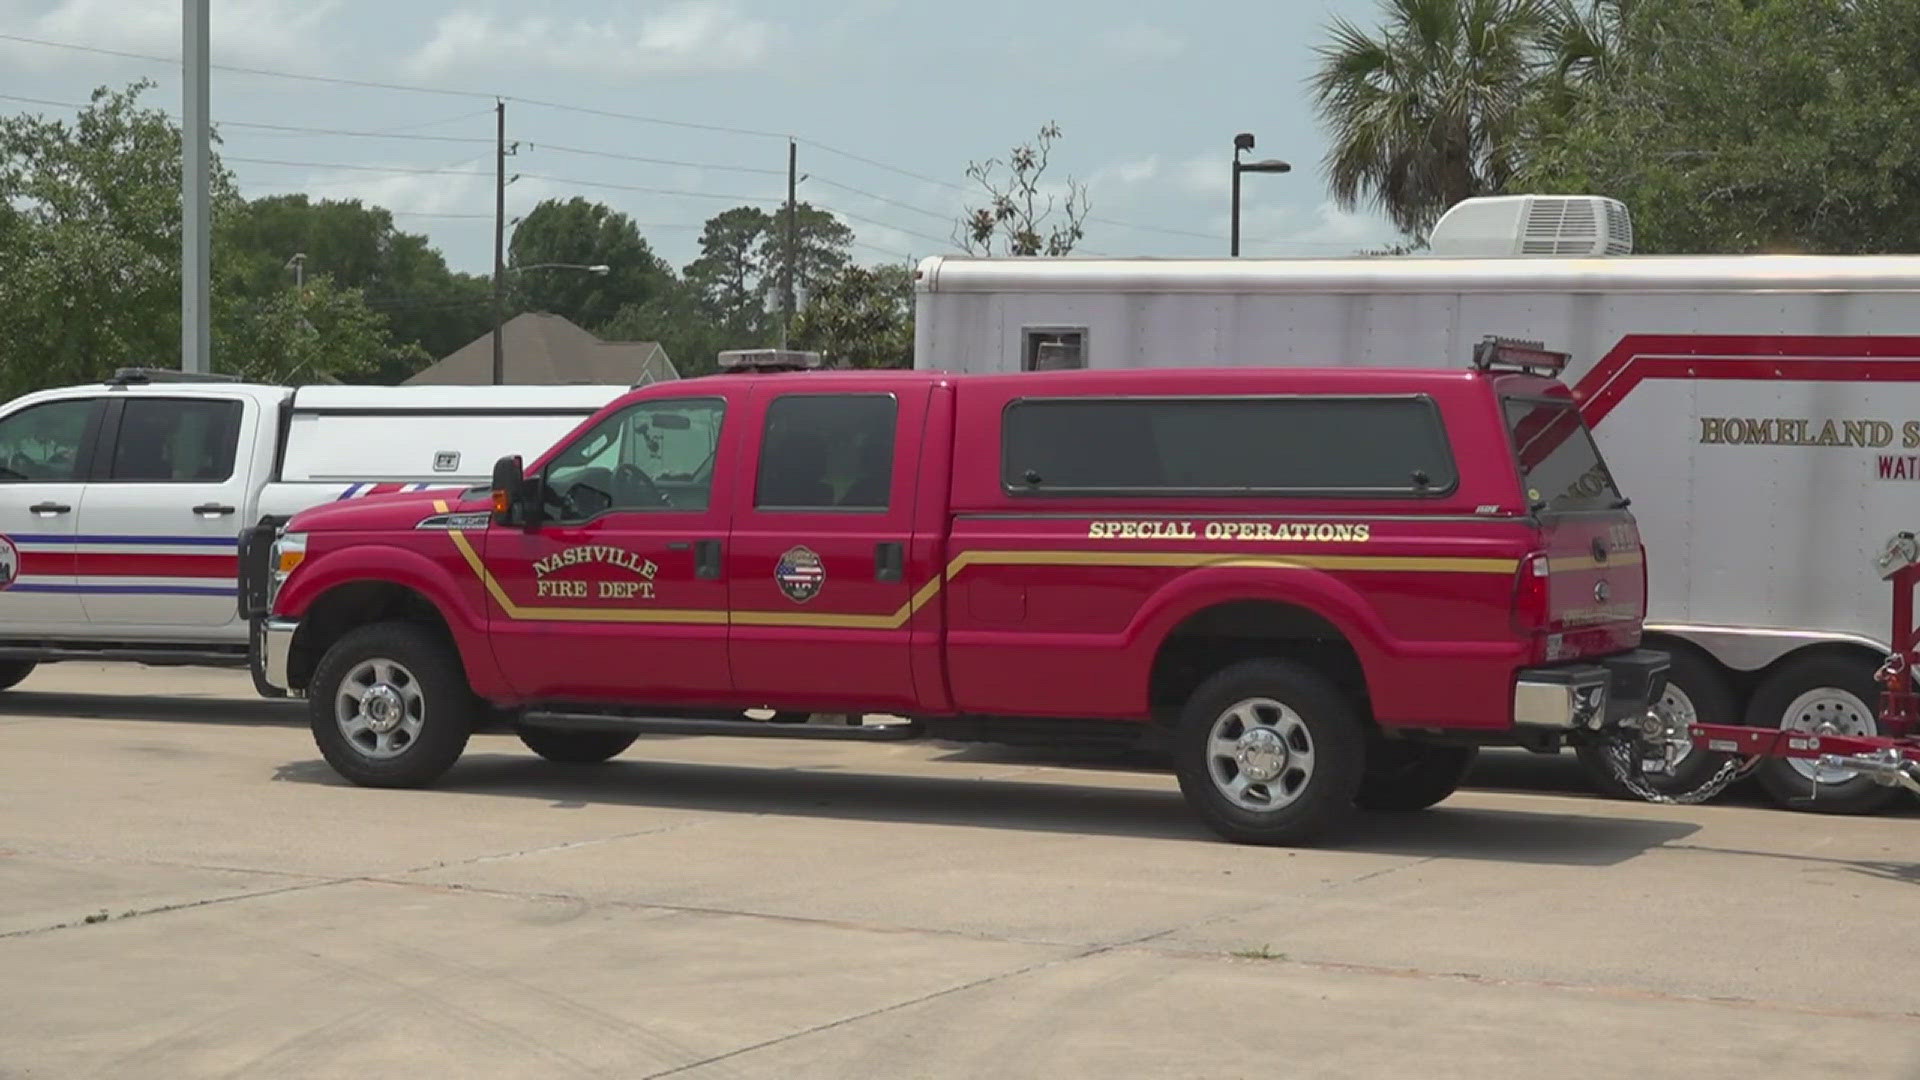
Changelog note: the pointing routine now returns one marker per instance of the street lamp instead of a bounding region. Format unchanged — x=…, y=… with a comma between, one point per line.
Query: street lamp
x=499, y=345
x=1242, y=143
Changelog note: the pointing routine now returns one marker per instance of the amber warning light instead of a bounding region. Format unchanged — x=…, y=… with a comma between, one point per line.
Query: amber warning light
x=1510, y=354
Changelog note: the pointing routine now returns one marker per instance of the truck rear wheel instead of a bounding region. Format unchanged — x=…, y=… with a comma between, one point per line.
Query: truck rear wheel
x=1828, y=695
x=13, y=671
x=1404, y=776
x=575, y=747
x=390, y=707
x=1269, y=752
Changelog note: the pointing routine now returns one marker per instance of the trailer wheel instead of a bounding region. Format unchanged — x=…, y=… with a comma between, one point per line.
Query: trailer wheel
x=1269, y=752
x=575, y=747
x=1833, y=694
x=389, y=706
x=1403, y=776
x=13, y=671
x=1696, y=693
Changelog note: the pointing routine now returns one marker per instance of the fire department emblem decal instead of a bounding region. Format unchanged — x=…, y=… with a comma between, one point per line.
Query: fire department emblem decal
x=9, y=563
x=799, y=574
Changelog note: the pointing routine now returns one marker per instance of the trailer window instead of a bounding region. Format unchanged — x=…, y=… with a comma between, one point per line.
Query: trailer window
x=1559, y=462
x=1226, y=446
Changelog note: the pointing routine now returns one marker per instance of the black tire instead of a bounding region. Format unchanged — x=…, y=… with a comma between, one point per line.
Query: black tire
x=576, y=747
x=1403, y=776
x=1840, y=678
x=13, y=671
x=445, y=713
x=1694, y=682
x=1320, y=714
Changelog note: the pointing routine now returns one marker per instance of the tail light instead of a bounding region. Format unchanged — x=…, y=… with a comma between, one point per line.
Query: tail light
x=1532, y=601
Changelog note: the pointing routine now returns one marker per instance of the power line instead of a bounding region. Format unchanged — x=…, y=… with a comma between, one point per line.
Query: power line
x=677, y=192
x=653, y=161
x=174, y=60
x=402, y=169
x=882, y=198
x=639, y=119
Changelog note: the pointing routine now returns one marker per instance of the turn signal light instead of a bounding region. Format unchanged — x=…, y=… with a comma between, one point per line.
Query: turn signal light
x=500, y=502
x=1532, y=599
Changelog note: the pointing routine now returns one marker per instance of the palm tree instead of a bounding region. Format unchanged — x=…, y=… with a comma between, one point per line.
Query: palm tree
x=1424, y=113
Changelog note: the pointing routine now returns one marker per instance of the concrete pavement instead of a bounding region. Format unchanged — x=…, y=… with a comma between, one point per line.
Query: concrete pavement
x=186, y=890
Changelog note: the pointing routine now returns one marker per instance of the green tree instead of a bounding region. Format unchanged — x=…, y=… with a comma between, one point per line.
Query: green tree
x=579, y=232
x=317, y=331
x=1425, y=112
x=399, y=273
x=862, y=317
x=1019, y=207
x=90, y=261
x=1751, y=125
x=727, y=276
x=820, y=251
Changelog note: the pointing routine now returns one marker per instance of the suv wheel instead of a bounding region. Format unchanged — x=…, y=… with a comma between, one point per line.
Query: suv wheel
x=389, y=706
x=1412, y=776
x=13, y=671
x=1269, y=752
x=575, y=747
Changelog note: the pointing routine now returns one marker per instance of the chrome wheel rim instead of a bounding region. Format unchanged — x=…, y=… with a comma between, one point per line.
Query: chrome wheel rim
x=1827, y=710
x=1672, y=741
x=380, y=708
x=1260, y=755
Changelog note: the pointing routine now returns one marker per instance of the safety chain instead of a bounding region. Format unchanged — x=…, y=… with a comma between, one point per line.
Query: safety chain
x=1624, y=762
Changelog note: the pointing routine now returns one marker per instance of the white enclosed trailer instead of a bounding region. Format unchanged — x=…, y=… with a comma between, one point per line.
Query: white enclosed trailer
x=1762, y=413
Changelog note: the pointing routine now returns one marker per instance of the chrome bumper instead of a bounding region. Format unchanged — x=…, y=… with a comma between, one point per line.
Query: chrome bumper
x=271, y=650
x=1590, y=695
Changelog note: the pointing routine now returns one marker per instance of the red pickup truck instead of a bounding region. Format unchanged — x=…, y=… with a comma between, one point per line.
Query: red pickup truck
x=1315, y=589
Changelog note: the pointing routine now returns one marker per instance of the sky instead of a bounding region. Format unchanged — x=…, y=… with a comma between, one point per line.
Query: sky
x=889, y=99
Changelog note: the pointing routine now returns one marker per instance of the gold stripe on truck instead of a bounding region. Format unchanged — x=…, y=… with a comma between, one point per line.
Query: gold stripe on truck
x=925, y=594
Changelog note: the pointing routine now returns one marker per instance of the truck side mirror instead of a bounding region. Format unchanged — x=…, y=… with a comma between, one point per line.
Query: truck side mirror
x=509, y=488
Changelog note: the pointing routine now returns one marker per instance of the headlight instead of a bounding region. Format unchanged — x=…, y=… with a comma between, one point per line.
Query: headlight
x=289, y=551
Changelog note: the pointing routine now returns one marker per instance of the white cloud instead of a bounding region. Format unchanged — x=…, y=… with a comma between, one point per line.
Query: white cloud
x=1137, y=42
x=260, y=30
x=684, y=37
x=1125, y=173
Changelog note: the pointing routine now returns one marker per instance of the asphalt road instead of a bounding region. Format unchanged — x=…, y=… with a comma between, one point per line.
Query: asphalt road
x=187, y=891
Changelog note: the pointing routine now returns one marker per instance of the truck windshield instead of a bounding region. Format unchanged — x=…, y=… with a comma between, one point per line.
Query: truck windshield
x=1559, y=463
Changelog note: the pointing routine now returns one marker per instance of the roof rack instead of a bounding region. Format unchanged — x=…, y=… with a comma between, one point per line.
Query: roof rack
x=141, y=376
x=1495, y=353
x=768, y=360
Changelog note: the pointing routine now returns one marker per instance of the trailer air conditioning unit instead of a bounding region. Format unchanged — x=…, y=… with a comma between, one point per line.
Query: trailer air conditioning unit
x=1538, y=226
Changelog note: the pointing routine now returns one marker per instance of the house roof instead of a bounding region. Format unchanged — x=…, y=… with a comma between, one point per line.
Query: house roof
x=543, y=349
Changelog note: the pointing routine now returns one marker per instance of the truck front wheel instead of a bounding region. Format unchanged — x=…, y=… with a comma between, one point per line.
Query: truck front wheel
x=389, y=706
x=1269, y=752
x=575, y=747
x=1408, y=776
x=12, y=671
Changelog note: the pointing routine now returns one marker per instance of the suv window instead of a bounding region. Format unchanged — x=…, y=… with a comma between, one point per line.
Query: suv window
x=1559, y=463
x=1226, y=446
x=44, y=442
x=652, y=456
x=827, y=452
x=176, y=440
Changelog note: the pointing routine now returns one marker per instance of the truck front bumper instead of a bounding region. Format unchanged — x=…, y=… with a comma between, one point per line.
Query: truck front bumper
x=272, y=646
x=1589, y=695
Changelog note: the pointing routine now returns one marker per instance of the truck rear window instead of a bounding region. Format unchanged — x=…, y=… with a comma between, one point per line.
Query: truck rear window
x=1226, y=446
x=1559, y=463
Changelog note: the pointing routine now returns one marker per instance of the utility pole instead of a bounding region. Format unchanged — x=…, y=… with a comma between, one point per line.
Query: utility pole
x=499, y=237
x=786, y=322
x=196, y=246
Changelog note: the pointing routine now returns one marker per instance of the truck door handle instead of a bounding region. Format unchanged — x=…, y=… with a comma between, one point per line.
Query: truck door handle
x=889, y=561
x=212, y=509
x=706, y=559
x=49, y=508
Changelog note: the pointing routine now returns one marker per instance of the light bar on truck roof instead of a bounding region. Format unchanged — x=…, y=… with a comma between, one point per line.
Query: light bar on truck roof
x=1512, y=354
x=768, y=360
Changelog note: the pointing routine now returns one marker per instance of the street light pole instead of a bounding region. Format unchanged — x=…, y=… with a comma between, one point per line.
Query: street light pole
x=196, y=244
x=1242, y=143
x=499, y=238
